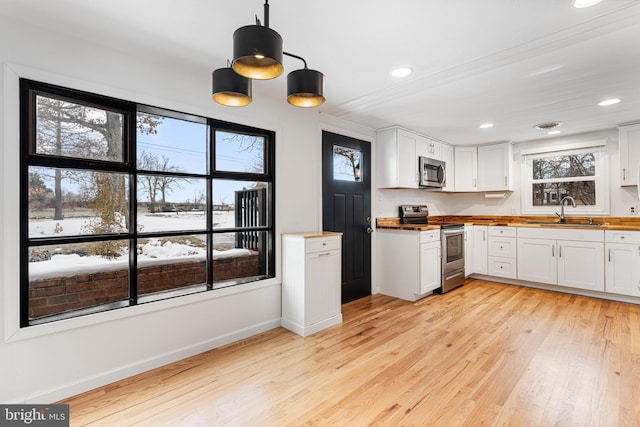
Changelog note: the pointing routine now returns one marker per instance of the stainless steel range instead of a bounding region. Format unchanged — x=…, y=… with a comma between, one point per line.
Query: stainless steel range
x=452, y=245
x=452, y=238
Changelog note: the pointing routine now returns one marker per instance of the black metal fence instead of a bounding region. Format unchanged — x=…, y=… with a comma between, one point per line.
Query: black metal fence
x=251, y=211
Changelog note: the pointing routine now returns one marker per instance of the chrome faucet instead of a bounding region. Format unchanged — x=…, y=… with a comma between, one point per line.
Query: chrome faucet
x=561, y=214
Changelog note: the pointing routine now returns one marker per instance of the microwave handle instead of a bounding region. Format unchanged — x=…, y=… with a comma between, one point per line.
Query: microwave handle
x=443, y=173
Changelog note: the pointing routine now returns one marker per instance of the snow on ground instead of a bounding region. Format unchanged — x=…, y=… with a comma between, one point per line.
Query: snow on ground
x=168, y=221
x=153, y=252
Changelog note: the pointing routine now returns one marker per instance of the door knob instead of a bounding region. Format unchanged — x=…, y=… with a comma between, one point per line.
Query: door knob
x=369, y=230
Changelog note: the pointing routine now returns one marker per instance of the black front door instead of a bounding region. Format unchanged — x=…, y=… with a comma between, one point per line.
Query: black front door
x=346, y=207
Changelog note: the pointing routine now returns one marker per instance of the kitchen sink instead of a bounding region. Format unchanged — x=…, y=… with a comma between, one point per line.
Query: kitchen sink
x=563, y=224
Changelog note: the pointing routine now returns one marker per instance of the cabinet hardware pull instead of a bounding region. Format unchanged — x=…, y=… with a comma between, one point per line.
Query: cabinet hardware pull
x=483, y=235
x=560, y=251
x=553, y=251
x=327, y=254
x=609, y=255
x=505, y=181
x=624, y=174
x=474, y=183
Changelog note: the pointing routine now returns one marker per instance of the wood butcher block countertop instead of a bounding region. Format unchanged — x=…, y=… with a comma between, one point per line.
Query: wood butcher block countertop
x=608, y=223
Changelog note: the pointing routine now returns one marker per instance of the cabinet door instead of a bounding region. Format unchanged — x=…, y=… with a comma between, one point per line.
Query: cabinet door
x=322, y=290
x=480, y=248
x=622, y=270
x=447, y=158
x=629, y=138
x=537, y=260
x=430, y=266
x=580, y=265
x=397, y=164
x=466, y=170
x=494, y=167
x=469, y=251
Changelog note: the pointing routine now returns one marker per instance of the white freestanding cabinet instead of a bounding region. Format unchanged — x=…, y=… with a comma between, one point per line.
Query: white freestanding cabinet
x=397, y=162
x=564, y=257
x=480, y=244
x=466, y=169
x=411, y=269
x=311, y=281
x=495, y=167
x=629, y=140
x=622, y=265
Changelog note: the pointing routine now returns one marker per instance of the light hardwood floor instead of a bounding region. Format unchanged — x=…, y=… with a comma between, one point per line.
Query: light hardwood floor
x=483, y=354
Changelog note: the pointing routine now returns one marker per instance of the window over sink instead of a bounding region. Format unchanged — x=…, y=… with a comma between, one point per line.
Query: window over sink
x=579, y=172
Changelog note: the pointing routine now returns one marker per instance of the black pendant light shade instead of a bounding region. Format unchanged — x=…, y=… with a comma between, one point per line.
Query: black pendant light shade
x=257, y=52
x=230, y=88
x=305, y=88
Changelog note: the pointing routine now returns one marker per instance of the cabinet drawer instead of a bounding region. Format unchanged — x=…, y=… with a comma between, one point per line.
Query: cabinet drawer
x=429, y=236
x=502, y=247
x=621, y=236
x=502, y=231
x=502, y=267
x=322, y=244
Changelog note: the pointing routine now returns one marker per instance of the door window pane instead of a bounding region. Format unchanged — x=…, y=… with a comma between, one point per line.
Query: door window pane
x=236, y=152
x=171, y=145
x=346, y=164
x=71, y=129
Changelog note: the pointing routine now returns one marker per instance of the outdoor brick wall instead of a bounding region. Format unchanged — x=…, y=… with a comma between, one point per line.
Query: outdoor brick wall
x=58, y=295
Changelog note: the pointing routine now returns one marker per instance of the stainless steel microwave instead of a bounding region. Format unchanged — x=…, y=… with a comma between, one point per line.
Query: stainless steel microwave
x=432, y=172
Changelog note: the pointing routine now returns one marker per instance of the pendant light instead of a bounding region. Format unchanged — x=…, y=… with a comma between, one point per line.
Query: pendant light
x=257, y=50
x=305, y=88
x=231, y=89
x=258, y=54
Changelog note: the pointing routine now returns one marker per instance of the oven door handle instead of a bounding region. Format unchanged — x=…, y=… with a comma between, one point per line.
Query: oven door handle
x=450, y=231
x=454, y=275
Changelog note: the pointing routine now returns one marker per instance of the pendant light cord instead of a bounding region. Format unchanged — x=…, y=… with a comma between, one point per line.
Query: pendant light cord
x=297, y=57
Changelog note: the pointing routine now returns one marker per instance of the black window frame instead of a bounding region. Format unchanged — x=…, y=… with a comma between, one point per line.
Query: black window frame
x=30, y=89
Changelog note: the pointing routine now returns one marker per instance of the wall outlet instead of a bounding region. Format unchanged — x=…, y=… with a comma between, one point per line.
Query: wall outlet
x=632, y=209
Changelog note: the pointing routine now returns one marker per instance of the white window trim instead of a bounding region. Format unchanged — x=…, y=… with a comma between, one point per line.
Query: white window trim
x=601, y=179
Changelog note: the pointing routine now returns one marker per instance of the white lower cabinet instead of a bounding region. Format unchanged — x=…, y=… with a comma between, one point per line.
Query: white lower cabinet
x=469, y=251
x=564, y=257
x=311, y=281
x=622, y=264
x=501, y=250
x=480, y=243
x=411, y=266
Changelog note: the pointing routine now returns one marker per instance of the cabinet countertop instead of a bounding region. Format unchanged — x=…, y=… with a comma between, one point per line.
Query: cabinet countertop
x=313, y=234
x=631, y=224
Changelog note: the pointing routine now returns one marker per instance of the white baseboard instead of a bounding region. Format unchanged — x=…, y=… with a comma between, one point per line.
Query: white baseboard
x=311, y=329
x=89, y=383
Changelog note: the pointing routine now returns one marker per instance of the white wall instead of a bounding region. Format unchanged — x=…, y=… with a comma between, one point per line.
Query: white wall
x=477, y=204
x=45, y=363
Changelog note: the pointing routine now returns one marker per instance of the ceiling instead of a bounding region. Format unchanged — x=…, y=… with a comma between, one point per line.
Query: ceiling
x=514, y=63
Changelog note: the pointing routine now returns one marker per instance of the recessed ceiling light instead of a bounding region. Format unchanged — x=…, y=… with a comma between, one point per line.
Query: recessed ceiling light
x=579, y=4
x=486, y=125
x=553, y=132
x=611, y=101
x=401, y=72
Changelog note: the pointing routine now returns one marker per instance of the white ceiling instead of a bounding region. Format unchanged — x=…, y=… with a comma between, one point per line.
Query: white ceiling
x=515, y=63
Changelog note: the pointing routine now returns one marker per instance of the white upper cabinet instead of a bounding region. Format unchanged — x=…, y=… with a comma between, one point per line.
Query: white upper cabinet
x=466, y=169
x=397, y=160
x=485, y=168
x=426, y=147
x=629, y=139
x=495, y=164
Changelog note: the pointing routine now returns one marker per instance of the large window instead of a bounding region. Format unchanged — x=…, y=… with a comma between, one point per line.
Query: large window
x=123, y=204
x=578, y=173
